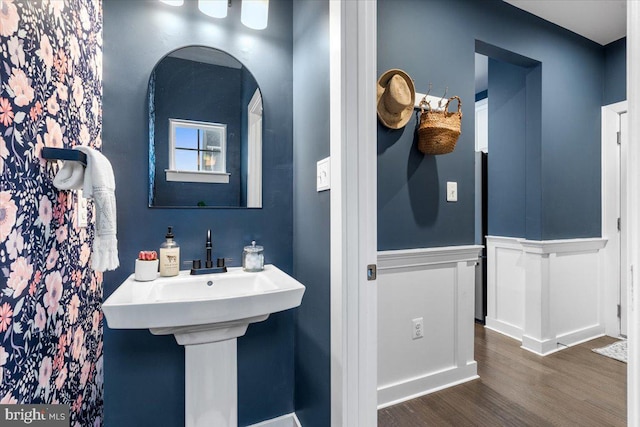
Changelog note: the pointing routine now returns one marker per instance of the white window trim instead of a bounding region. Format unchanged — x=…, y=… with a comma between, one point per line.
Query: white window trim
x=196, y=176
x=178, y=175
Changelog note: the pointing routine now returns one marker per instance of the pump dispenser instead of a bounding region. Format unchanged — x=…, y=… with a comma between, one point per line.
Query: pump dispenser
x=169, y=255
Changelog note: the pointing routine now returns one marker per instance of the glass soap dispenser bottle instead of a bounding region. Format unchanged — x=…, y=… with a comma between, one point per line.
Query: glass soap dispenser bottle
x=253, y=258
x=169, y=255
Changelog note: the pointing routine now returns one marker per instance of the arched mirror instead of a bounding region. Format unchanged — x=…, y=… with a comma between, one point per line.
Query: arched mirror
x=205, y=131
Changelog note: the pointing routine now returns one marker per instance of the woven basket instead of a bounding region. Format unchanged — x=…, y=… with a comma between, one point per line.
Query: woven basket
x=438, y=131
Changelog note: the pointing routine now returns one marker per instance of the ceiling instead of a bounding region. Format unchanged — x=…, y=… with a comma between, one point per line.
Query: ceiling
x=603, y=21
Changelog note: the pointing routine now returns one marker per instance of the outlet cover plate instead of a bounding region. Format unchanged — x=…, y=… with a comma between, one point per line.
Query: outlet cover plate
x=418, y=328
x=323, y=175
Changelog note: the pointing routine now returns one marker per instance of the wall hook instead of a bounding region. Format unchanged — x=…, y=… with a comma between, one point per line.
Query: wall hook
x=443, y=96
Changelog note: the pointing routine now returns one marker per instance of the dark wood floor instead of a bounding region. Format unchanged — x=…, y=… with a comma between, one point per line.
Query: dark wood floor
x=573, y=387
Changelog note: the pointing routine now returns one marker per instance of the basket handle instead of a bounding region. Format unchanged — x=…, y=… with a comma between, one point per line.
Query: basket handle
x=446, y=107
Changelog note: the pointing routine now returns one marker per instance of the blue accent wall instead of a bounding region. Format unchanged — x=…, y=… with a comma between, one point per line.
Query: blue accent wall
x=192, y=90
x=615, y=72
x=311, y=259
x=506, y=172
x=144, y=374
x=412, y=210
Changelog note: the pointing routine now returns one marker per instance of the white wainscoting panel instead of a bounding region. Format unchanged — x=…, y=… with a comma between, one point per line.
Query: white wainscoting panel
x=437, y=285
x=548, y=294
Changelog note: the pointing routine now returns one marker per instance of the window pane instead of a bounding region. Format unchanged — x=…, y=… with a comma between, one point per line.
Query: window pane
x=211, y=162
x=186, y=137
x=212, y=139
x=186, y=160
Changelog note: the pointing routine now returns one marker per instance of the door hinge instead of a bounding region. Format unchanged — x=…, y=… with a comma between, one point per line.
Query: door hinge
x=619, y=224
x=619, y=311
x=372, y=272
x=618, y=137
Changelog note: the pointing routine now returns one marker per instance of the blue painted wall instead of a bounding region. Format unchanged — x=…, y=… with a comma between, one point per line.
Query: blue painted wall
x=412, y=211
x=615, y=72
x=506, y=162
x=311, y=259
x=144, y=374
x=197, y=97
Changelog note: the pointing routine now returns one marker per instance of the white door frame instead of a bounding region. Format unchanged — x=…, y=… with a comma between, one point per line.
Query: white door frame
x=353, y=212
x=611, y=211
x=633, y=317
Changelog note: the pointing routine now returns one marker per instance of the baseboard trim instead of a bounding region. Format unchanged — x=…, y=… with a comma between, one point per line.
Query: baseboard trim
x=415, y=387
x=570, y=339
x=539, y=347
x=504, y=328
x=288, y=420
x=562, y=341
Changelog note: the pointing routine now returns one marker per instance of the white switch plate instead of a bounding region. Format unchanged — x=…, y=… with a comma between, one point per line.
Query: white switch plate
x=81, y=210
x=452, y=191
x=418, y=328
x=323, y=175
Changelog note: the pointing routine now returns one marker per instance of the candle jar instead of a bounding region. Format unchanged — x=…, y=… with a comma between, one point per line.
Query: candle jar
x=253, y=258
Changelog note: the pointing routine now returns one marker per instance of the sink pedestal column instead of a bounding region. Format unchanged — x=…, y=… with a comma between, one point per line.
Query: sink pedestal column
x=211, y=384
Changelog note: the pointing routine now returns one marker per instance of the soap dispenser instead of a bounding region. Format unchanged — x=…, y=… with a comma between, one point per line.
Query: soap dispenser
x=169, y=255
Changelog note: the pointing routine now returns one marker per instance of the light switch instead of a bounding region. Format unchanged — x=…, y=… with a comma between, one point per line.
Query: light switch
x=323, y=175
x=452, y=191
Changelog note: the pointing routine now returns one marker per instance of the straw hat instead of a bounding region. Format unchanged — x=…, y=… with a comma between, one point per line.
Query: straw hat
x=396, y=94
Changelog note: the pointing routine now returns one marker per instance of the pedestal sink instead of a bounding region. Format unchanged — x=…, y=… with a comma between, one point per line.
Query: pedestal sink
x=206, y=314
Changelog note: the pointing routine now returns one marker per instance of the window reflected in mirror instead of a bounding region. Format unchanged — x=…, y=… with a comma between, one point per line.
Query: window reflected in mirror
x=197, y=152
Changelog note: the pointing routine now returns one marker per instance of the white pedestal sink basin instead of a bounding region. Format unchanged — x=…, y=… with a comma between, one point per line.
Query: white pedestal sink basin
x=206, y=314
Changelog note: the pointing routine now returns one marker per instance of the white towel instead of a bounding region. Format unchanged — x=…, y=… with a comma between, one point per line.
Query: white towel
x=100, y=185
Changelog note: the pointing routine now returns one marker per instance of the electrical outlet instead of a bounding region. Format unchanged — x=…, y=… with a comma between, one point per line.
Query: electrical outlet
x=452, y=191
x=81, y=210
x=418, y=328
x=323, y=175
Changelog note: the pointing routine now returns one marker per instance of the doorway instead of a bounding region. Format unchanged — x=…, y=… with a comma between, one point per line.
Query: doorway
x=481, y=162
